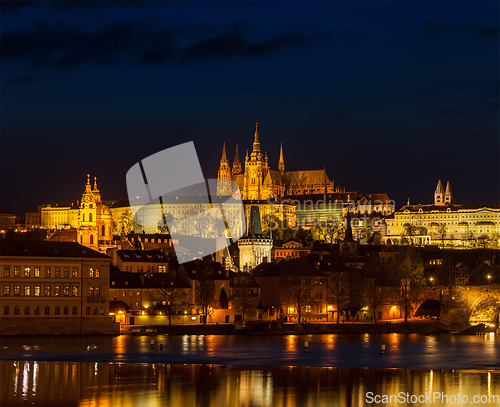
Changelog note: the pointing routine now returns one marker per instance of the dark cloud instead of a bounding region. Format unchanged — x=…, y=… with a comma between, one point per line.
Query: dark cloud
x=433, y=29
x=61, y=46
x=221, y=46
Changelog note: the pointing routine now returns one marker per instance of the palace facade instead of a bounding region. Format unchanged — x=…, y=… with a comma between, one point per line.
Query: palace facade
x=447, y=223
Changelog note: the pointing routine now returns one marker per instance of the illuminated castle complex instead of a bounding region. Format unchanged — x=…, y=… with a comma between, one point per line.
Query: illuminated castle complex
x=259, y=182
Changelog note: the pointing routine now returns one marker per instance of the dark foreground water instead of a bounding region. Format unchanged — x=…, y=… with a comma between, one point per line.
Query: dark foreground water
x=337, y=370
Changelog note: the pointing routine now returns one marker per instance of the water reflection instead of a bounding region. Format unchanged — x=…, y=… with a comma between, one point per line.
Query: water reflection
x=130, y=384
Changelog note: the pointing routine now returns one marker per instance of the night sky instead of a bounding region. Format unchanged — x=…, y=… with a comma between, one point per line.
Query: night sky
x=389, y=96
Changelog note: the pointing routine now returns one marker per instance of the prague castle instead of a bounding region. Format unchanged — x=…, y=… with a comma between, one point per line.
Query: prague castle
x=259, y=182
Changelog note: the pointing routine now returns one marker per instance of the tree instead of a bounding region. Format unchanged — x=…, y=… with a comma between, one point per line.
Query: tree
x=441, y=233
x=409, y=231
x=297, y=278
x=205, y=288
x=408, y=268
x=483, y=241
x=338, y=284
x=245, y=294
x=128, y=223
x=374, y=292
x=167, y=219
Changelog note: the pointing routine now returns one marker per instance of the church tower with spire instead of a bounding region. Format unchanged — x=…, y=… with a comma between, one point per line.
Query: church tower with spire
x=448, y=196
x=95, y=223
x=236, y=163
x=281, y=163
x=224, y=175
x=439, y=194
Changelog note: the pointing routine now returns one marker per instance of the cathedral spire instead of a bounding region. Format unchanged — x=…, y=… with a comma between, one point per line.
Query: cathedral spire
x=281, y=164
x=439, y=194
x=224, y=175
x=236, y=163
x=224, y=157
x=448, y=195
x=256, y=154
x=95, y=184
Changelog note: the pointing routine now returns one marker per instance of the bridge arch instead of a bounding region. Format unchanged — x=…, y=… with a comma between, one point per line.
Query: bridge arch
x=485, y=309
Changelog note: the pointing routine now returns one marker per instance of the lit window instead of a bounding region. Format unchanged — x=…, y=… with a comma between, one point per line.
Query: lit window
x=75, y=273
x=6, y=271
x=17, y=289
x=57, y=272
x=37, y=291
x=57, y=291
x=91, y=291
x=47, y=290
x=47, y=271
x=37, y=271
x=6, y=289
x=27, y=290
x=27, y=271
x=97, y=292
x=75, y=291
x=97, y=273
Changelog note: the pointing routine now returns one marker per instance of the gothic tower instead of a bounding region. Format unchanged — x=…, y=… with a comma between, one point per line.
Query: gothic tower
x=255, y=170
x=281, y=164
x=236, y=162
x=448, y=196
x=439, y=194
x=224, y=175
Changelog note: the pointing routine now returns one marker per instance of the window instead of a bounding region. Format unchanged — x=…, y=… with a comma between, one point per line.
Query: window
x=47, y=290
x=26, y=310
x=91, y=291
x=57, y=291
x=16, y=271
x=6, y=289
x=75, y=273
x=66, y=272
x=319, y=296
x=101, y=311
x=37, y=291
x=103, y=231
x=91, y=273
x=97, y=273
x=91, y=239
x=27, y=272
x=37, y=310
x=90, y=220
x=37, y=271
x=94, y=311
x=57, y=311
x=75, y=310
x=6, y=271
x=66, y=291
x=75, y=291
x=57, y=272
x=6, y=310
x=47, y=310
x=83, y=220
x=65, y=310
x=17, y=289
x=47, y=271
x=27, y=290
x=87, y=311
x=16, y=311
x=97, y=292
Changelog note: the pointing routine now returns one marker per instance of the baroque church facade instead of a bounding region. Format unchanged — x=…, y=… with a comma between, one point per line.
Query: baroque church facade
x=259, y=182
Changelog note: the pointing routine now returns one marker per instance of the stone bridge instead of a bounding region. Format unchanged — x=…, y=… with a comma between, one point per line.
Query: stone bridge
x=462, y=306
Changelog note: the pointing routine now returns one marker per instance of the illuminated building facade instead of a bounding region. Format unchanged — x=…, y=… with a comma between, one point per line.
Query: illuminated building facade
x=50, y=288
x=259, y=182
x=455, y=225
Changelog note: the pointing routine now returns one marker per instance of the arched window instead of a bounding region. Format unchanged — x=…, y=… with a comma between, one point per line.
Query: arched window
x=16, y=311
x=97, y=292
x=26, y=310
x=101, y=311
x=97, y=273
x=75, y=310
x=103, y=230
x=83, y=219
x=87, y=311
x=91, y=291
x=91, y=239
x=6, y=310
x=47, y=310
x=65, y=310
x=57, y=311
x=90, y=217
x=37, y=310
x=94, y=311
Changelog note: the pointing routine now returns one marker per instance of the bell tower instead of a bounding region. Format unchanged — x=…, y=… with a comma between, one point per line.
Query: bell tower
x=224, y=175
x=255, y=170
x=439, y=194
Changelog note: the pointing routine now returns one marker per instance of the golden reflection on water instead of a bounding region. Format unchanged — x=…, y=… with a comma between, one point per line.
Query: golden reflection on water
x=129, y=384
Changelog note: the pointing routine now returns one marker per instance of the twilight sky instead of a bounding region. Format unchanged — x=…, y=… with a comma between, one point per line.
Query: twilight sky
x=389, y=96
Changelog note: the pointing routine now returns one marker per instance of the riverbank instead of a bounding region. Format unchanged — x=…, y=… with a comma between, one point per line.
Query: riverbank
x=278, y=328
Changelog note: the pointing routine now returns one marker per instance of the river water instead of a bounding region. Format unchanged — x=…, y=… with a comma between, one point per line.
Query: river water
x=239, y=370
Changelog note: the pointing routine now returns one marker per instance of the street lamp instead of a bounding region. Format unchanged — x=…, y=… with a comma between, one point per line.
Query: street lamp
x=489, y=279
